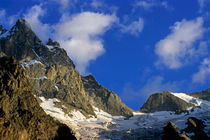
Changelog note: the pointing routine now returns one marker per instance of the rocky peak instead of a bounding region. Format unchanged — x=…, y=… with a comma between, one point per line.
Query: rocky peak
x=104, y=99
x=165, y=101
x=19, y=40
x=53, y=43
x=21, y=24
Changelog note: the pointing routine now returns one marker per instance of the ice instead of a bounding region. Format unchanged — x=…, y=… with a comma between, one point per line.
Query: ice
x=49, y=107
x=105, y=122
x=50, y=47
x=32, y=62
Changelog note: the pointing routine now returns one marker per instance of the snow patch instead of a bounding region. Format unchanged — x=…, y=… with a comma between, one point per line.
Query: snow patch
x=105, y=122
x=42, y=78
x=49, y=107
x=32, y=62
x=50, y=47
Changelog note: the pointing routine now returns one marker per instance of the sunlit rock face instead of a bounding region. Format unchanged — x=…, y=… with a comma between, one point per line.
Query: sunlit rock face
x=21, y=117
x=53, y=74
x=165, y=102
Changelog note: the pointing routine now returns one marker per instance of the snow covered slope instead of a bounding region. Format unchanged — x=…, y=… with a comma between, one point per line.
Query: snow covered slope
x=115, y=127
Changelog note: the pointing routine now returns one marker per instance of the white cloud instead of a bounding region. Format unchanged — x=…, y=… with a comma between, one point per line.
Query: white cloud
x=148, y=4
x=80, y=36
x=6, y=20
x=204, y=72
x=33, y=16
x=177, y=48
x=134, y=28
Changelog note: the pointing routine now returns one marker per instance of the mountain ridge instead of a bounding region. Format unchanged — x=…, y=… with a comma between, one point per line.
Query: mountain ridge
x=53, y=72
x=87, y=107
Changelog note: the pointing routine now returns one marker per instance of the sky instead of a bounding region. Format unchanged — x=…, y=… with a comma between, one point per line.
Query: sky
x=133, y=47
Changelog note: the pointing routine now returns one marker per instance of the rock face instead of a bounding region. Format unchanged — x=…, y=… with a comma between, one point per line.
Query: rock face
x=51, y=71
x=165, y=102
x=21, y=117
x=196, y=126
x=105, y=99
x=171, y=132
x=53, y=74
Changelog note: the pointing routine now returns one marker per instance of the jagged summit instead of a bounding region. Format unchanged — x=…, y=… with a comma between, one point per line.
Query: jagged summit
x=22, y=43
x=22, y=24
x=19, y=40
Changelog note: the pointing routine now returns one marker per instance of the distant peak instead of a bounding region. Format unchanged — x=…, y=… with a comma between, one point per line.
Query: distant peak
x=21, y=24
x=22, y=21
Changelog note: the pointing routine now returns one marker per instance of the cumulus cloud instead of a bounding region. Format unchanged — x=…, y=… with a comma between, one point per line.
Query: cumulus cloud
x=80, y=36
x=6, y=20
x=148, y=4
x=133, y=28
x=177, y=48
x=204, y=72
x=33, y=16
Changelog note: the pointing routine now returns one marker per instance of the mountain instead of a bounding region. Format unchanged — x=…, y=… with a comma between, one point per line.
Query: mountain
x=165, y=102
x=105, y=99
x=80, y=102
x=53, y=74
x=21, y=117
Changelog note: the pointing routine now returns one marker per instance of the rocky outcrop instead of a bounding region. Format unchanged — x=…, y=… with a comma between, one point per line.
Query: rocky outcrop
x=21, y=117
x=196, y=126
x=165, y=102
x=53, y=43
x=171, y=132
x=104, y=99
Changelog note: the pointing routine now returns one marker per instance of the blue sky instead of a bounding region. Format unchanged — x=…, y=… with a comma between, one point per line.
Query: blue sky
x=132, y=47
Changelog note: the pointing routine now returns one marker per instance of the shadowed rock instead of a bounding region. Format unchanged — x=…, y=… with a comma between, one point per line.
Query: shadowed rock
x=171, y=132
